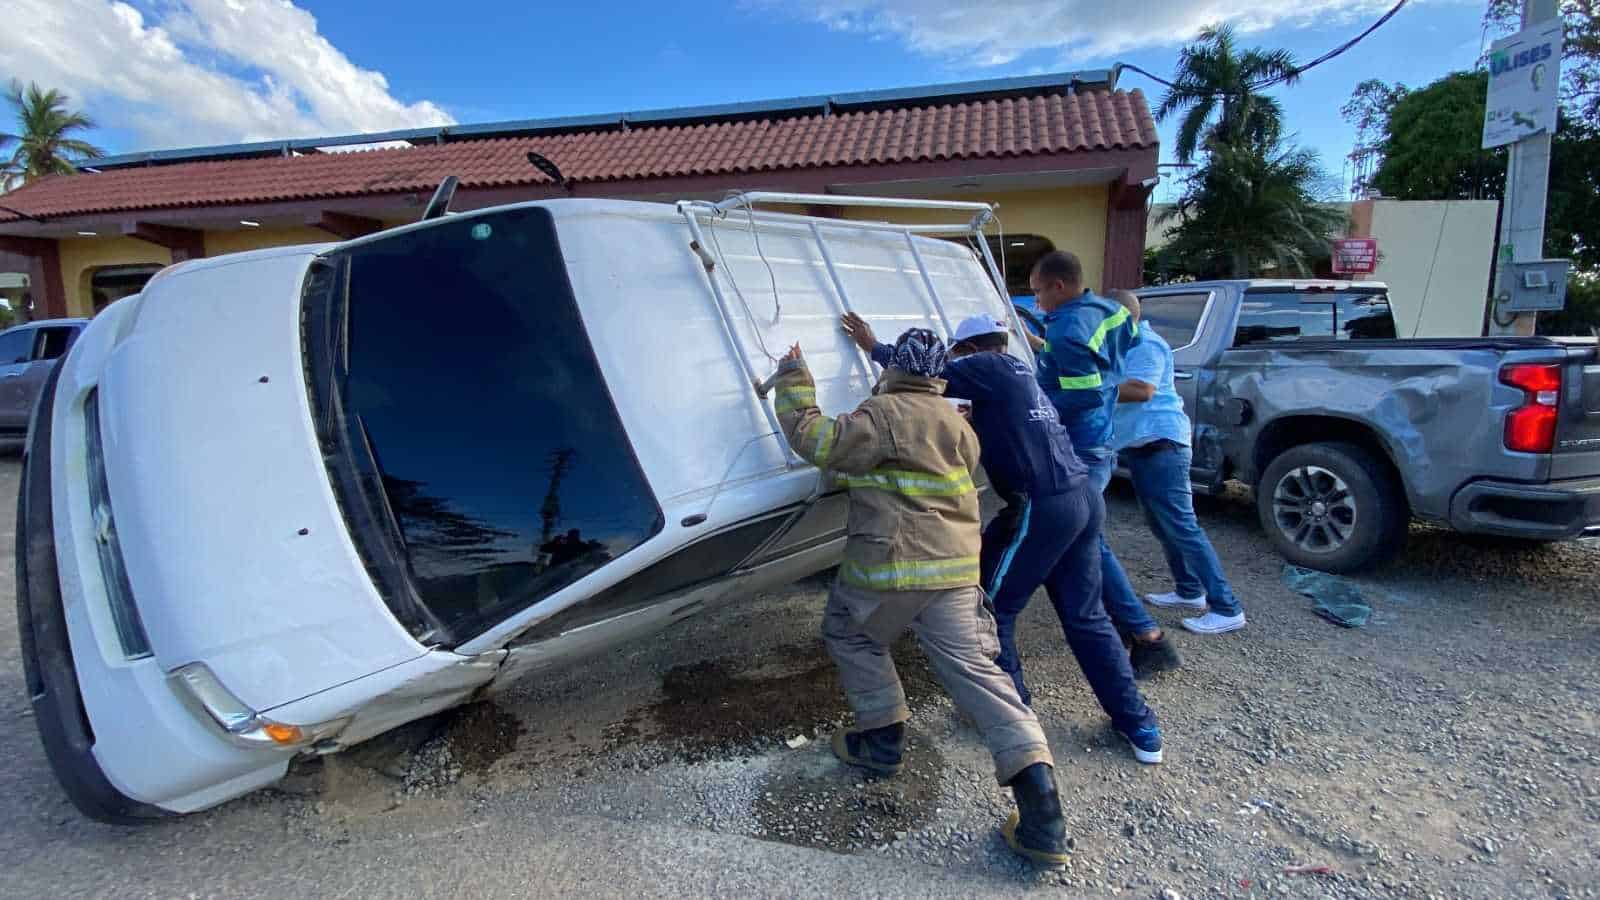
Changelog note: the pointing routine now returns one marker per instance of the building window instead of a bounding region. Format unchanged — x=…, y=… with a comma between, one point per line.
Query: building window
x=13, y=298
x=109, y=284
x=1018, y=254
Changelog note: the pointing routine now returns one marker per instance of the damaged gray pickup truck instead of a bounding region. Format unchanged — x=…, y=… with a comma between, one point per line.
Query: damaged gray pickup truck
x=1301, y=390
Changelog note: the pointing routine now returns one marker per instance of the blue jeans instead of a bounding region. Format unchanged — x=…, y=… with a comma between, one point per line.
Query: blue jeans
x=1122, y=604
x=1161, y=479
x=1054, y=542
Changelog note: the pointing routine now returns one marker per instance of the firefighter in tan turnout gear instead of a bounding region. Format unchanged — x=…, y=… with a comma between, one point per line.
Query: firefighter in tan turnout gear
x=911, y=561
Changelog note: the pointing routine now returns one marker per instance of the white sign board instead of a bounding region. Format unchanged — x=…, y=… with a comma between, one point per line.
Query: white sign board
x=1524, y=84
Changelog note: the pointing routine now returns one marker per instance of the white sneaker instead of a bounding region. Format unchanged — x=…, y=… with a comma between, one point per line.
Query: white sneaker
x=1212, y=623
x=1171, y=600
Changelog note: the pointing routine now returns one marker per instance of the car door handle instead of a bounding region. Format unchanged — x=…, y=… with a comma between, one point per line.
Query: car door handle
x=13, y=374
x=1183, y=376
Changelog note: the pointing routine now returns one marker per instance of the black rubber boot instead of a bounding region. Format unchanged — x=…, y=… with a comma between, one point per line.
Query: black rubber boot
x=1036, y=829
x=1153, y=657
x=875, y=749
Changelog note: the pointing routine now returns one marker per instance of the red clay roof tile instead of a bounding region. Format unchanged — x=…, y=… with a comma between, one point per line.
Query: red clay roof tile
x=1014, y=126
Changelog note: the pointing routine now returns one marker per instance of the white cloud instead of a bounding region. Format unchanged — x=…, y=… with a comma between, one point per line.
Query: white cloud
x=201, y=71
x=998, y=32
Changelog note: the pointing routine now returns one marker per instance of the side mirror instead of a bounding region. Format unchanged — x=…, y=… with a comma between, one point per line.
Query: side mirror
x=440, y=202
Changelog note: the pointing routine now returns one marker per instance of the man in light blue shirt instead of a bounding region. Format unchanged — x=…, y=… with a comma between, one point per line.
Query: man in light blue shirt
x=1152, y=434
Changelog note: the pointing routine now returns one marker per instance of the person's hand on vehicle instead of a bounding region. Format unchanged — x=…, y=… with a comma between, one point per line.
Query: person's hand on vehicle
x=1034, y=341
x=792, y=360
x=859, y=331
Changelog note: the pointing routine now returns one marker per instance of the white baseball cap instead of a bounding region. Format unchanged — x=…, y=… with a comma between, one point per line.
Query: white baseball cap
x=977, y=326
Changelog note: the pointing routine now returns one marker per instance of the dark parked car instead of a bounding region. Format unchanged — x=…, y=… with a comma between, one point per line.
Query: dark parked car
x=1301, y=390
x=27, y=353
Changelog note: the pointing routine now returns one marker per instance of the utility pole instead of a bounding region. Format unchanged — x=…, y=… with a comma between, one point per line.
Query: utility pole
x=1522, y=211
x=550, y=512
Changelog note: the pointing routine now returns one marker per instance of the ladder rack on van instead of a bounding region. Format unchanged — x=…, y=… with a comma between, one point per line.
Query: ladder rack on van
x=982, y=213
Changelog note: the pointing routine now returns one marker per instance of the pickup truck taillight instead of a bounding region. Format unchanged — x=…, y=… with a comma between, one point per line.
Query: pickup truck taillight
x=1531, y=427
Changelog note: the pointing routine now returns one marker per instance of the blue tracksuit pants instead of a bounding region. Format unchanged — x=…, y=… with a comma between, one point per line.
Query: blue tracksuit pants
x=1055, y=542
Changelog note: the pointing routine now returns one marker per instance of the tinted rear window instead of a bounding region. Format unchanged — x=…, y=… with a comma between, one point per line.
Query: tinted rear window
x=1364, y=317
x=1266, y=316
x=502, y=459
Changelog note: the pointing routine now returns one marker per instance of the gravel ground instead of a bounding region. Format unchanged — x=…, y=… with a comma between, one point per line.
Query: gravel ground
x=1444, y=750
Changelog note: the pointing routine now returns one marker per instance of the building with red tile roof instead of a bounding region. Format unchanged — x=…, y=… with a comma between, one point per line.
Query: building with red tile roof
x=1070, y=158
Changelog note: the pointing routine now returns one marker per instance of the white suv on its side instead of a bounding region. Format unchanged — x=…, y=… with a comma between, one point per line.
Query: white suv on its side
x=283, y=501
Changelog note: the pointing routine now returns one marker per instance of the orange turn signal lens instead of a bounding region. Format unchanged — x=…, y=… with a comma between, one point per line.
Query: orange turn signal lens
x=282, y=734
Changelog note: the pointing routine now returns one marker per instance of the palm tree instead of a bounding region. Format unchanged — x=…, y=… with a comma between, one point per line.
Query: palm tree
x=45, y=145
x=1251, y=209
x=1215, y=80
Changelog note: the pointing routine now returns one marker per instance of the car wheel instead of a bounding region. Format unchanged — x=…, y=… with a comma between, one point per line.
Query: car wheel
x=1333, y=507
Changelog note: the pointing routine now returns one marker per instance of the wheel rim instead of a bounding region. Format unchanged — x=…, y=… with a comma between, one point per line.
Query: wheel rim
x=1314, y=509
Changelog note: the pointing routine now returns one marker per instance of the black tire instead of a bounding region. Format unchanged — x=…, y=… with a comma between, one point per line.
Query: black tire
x=47, y=664
x=1335, y=507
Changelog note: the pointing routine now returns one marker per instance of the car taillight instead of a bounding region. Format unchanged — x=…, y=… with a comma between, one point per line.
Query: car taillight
x=1531, y=427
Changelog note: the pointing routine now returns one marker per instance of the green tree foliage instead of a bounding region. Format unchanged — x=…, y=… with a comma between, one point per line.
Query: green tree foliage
x=1430, y=149
x=1249, y=211
x=44, y=141
x=1215, y=90
x=1431, y=144
x=1572, y=213
x=1368, y=111
x=1582, y=315
x=1254, y=205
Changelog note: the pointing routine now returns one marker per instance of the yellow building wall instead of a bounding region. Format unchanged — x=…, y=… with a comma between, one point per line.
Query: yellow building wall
x=220, y=242
x=81, y=256
x=1073, y=218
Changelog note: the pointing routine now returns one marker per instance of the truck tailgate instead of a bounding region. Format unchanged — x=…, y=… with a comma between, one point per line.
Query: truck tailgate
x=1577, y=451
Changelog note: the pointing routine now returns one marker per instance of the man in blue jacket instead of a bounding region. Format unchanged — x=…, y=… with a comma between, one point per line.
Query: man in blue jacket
x=1086, y=338
x=1049, y=532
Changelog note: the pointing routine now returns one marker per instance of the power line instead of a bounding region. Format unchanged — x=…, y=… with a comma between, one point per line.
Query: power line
x=1146, y=73
x=1339, y=49
x=1293, y=73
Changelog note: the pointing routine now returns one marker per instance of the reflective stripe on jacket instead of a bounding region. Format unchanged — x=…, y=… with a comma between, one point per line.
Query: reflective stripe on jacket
x=1025, y=448
x=1086, y=339
x=907, y=457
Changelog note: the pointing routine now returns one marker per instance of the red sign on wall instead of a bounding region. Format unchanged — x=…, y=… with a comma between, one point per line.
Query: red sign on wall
x=1355, y=256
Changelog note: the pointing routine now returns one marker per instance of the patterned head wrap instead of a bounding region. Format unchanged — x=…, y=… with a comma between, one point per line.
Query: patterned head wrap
x=920, y=352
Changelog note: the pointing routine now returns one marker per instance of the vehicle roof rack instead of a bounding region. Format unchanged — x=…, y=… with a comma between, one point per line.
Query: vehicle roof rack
x=981, y=215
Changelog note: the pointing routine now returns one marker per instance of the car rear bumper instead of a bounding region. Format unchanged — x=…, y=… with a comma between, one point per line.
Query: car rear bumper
x=1554, y=511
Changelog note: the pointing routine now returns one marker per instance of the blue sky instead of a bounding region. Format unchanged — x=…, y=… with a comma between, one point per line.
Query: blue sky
x=164, y=73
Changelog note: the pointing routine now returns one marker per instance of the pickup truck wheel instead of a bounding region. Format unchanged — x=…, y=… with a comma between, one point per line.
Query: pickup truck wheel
x=1334, y=507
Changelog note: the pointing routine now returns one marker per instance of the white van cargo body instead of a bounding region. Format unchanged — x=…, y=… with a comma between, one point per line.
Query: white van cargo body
x=283, y=501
